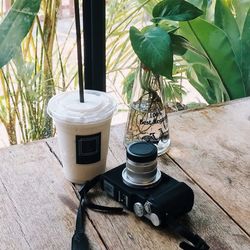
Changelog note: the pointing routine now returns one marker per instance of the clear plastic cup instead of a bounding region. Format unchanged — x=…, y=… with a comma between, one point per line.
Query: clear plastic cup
x=83, y=132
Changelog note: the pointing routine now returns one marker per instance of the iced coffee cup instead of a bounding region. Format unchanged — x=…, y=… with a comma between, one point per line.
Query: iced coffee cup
x=83, y=132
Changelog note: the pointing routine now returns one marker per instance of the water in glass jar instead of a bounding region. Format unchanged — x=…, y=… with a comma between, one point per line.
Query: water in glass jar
x=149, y=122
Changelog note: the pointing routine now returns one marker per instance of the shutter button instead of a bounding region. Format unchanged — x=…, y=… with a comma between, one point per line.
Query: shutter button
x=147, y=207
x=138, y=209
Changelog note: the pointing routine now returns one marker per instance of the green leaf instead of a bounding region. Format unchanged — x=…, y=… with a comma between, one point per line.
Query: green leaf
x=201, y=4
x=165, y=25
x=207, y=6
x=245, y=51
x=225, y=20
x=207, y=84
x=128, y=83
x=15, y=27
x=176, y=10
x=173, y=92
x=218, y=49
x=148, y=5
x=153, y=48
x=195, y=53
x=178, y=44
x=240, y=8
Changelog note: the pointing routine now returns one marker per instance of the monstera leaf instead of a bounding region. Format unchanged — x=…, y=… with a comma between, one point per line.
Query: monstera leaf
x=15, y=27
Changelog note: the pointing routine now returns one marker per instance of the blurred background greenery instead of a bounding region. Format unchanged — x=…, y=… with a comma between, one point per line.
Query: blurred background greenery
x=45, y=61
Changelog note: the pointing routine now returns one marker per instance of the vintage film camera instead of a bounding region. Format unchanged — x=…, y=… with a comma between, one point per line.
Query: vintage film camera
x=144, y=189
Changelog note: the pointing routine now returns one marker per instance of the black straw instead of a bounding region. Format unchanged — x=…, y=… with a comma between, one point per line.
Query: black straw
x=79, y=50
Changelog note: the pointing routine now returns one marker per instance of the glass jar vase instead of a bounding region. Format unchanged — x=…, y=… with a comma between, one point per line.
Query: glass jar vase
x=148, y=120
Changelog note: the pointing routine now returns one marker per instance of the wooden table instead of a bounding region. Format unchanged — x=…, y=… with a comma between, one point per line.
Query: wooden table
x=210, y=151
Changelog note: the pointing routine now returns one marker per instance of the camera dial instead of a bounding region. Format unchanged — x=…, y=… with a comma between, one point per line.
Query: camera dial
x=138, y=209
x=141, y=165
x=147, y=207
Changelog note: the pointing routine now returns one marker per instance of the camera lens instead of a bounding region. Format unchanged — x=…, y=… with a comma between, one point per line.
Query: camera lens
x=141, y=165
x=142, y=152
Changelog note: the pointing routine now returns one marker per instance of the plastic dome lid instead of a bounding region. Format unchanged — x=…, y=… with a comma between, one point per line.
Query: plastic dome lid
x=66, y=107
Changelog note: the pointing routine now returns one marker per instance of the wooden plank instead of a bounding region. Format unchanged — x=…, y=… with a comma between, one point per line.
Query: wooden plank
x=129, y=232
x=206, y=218
x=212, y=146
x=10, y=228
x=38, y=206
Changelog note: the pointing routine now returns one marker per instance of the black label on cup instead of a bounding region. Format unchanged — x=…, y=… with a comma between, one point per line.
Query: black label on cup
x=88, y=148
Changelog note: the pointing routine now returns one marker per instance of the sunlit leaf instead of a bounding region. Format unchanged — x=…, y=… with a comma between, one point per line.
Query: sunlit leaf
x=224, y=19
x=218, y=49
x=240, y=8
x=15, y=27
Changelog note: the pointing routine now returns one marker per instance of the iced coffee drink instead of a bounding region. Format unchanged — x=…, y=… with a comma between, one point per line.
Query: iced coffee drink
x=83, y=132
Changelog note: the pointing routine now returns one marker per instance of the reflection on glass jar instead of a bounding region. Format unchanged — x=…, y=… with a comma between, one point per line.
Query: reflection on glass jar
x=147, y=118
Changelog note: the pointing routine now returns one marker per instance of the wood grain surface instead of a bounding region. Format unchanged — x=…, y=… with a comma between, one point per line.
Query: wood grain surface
x=213, y=146
x=37, y=205
x=209, y=151
x=206, y=218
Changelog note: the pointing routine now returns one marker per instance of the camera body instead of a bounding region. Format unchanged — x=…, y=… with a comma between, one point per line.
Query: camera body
x=155, y=202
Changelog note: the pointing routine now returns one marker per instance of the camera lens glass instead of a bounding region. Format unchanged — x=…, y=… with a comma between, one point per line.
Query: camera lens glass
x=141, y=166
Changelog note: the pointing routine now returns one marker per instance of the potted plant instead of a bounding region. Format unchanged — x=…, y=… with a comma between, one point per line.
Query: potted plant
x=155, y=45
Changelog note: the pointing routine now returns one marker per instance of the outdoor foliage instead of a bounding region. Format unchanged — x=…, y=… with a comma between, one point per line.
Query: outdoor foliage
x=120, y=58
x=158, y=47
x=154, y=44
x=37, y=68
x=222, y=35
x=21, y=15
x=45, y=63
x=42, y=63
x=224, y=38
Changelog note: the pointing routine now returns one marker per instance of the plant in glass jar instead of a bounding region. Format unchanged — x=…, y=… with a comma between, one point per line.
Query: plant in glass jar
x=155, y=46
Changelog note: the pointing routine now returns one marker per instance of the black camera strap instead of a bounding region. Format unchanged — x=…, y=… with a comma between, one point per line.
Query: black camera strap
x=80, y=240
x=197, y=242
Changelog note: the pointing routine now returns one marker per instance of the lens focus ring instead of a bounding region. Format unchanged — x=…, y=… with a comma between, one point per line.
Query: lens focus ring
x=141, y=165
